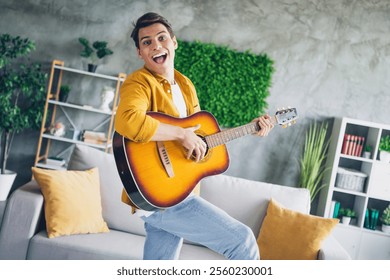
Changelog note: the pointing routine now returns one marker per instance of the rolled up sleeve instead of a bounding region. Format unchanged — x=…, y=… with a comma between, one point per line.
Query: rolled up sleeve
x=131, y=120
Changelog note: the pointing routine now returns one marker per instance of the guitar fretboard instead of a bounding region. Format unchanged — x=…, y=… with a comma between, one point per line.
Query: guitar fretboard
x=228, y=135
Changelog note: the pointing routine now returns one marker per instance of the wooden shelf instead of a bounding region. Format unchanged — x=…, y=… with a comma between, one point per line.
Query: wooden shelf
x=47, y=141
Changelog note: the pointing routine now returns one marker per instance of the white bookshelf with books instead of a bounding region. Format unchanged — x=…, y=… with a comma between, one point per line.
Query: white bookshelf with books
x=359, y=182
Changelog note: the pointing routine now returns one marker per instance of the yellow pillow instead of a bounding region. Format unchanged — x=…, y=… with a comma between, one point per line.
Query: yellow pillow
x=290, y=235
x=72, y=201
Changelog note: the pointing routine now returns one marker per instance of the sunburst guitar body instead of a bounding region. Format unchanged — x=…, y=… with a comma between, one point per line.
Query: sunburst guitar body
x=158, y=175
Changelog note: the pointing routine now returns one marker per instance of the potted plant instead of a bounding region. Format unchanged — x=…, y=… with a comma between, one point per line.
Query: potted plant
x=22, y=98
x=384, y=148
x=64, y=92
x=346, y=215
x=385, y=219
x=312, y=160
x=367, y=151
x=98, y=50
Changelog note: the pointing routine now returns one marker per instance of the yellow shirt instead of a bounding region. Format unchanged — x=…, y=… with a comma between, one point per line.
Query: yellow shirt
x=143, y=91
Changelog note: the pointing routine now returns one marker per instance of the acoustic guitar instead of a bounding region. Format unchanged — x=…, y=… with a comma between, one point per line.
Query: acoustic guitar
x=158, y=175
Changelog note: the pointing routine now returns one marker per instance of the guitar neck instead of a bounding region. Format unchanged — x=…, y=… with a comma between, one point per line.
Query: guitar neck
x=228, y=135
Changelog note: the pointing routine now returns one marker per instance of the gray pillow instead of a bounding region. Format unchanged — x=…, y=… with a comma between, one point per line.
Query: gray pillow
x=116, y=213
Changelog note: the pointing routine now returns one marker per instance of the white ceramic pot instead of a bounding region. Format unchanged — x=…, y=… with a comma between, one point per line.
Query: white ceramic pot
x=6, y=182
x=367, y=154
x=386, y=228
x=346, y=220
x=384, y=156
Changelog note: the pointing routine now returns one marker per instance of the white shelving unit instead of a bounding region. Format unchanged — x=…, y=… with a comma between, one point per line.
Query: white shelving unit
x=358, y=239
x=54, y=105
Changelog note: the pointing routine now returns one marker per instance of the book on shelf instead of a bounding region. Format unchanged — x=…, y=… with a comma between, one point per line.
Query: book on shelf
x=334, y=209
x=359, y=146
x=371, y=218
x=367, y=219
x=94, y=137
x=57, y=161
x=345, y=143
x=94, y=141
x=352, y=145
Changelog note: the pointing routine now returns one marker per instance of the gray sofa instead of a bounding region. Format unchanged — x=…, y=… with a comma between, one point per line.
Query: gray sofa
x=23, y=234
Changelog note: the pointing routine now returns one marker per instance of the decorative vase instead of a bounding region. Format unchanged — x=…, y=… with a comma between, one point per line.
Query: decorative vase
x=107, y=95
x=6, y=182
x=384, y=156
x=346, y=220
x=386, y=228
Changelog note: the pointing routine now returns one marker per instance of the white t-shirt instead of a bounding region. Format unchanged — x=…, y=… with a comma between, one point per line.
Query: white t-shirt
x=178, y=100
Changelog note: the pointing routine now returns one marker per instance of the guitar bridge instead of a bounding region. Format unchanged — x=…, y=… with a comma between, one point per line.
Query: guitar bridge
x=163, y=153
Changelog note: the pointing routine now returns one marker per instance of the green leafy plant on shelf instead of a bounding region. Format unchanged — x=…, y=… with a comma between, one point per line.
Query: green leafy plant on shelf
x=385, y=218
x=98, y=50
x=64, y=92
x=22, y=91
x=347, y=212
x=233, y=85
x=313, y=157
x=384, y=143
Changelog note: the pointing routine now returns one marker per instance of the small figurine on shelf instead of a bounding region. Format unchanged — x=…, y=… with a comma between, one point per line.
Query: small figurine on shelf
x=107, y=95
x=57, y=129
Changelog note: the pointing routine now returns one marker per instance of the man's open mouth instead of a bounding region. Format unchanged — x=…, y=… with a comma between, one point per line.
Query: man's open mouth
x=160, y=58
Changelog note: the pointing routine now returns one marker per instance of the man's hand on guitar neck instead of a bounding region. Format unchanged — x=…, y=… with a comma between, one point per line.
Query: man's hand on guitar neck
x=266, y=125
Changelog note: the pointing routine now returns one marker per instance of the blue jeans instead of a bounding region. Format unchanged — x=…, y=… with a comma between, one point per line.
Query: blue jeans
x=198, y=221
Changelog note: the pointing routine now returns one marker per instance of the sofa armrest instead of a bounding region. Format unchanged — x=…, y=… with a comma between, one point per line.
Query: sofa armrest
x=21, y=221
x=331, y=249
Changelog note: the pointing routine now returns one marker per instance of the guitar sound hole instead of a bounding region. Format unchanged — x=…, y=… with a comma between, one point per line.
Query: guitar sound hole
x=193, y=156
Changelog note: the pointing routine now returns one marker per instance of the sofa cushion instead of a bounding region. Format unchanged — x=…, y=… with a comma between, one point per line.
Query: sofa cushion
x=117, y=214
x=72, y=201
x=114, y=245
x=291, y=235
x=247, y=200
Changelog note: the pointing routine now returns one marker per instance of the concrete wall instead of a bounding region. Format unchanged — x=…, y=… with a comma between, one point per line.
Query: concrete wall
x=331, y=57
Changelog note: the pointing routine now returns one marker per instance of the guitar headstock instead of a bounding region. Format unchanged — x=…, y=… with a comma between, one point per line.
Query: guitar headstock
x=286, y=116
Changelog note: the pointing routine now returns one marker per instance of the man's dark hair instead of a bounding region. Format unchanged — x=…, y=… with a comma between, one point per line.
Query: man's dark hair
x=147, y=20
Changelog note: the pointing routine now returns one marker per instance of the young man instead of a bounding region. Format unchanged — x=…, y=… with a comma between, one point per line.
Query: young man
x=159, y=87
